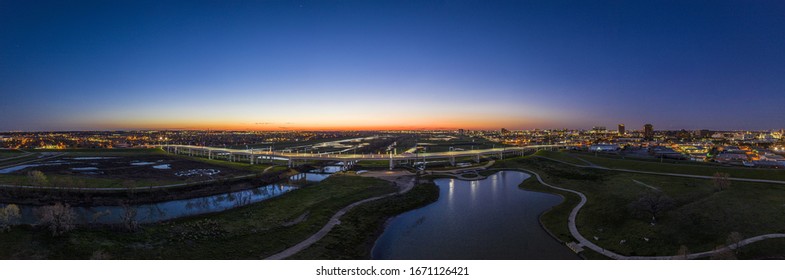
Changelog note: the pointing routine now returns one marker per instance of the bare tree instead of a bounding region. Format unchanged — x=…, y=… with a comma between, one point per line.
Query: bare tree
x=37, y=178
x=721, y=181
x=128, y=217
x=723, y=254
x=58, y=218
x=98, y=215
x=130, y=187
x=8, y=215
x=734, y=239
x=651, y=204
x=682, y=253
x=100, y=255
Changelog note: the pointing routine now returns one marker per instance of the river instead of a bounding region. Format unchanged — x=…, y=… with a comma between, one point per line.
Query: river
x=161, y=211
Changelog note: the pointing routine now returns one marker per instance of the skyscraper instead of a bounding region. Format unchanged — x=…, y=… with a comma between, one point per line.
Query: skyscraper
x=648, y=131
x=621, y=129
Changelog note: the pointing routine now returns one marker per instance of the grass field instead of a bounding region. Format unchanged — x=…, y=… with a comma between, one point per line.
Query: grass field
x=113, y=169
x=241, y=165
x=103, y=152
x=466, y=143
x=701, y=218
x=683, y=167
x=288, y=144
x=250, y=232
x=5, y=153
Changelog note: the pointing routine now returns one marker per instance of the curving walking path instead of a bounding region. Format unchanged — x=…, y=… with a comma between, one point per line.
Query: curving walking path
x=583, y=242
x=335, y=220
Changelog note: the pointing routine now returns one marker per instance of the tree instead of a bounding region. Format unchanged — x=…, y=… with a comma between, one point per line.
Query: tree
x=734, y=239
x=723, y=253
x=651, y=204
x=721, y=181
x=130, y=187
x=129, y=218
x=682, y=253
x=100, y=255
x=8, y=215
x=98, y=215
x=37, y=178
x=58, y=218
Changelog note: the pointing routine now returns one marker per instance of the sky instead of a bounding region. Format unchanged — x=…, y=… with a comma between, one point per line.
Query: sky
x=325, y=65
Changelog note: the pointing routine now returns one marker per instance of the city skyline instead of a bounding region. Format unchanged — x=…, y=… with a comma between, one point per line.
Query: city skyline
x=309, y=65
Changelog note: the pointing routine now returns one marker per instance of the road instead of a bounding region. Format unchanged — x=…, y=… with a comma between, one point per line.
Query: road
x=325, y=156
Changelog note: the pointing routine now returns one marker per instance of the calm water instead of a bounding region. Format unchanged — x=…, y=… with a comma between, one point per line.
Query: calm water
x=486, y=219
x=154, y=212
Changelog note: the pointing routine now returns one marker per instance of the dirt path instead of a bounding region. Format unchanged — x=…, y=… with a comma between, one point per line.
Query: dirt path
x=646, y=185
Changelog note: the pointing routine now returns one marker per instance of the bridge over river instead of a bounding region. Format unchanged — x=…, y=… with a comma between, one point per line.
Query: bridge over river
x=254, y=156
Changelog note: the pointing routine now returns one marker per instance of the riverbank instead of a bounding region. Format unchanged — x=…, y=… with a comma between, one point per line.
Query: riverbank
x=477, y=219
x=135, y=195
x=250, y=232
x=702, y=217
x=355, y=236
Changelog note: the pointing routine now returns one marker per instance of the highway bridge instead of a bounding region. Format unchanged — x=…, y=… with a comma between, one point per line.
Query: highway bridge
x=254, y=156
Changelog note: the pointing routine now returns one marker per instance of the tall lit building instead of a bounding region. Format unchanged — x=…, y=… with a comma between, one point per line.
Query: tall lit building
x=621, y=129
x=648, y=131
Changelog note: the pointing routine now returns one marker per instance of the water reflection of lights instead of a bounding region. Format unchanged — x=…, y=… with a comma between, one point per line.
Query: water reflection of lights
x=473, y=185
x=450, y=193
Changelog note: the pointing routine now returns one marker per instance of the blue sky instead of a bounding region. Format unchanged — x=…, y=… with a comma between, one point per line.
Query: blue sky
x=391, y=64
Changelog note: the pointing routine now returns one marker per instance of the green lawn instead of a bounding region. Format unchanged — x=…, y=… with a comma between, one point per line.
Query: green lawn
x=250, y=232
x=10, y=153
x=89, y=181
x=56, y=180
x=103, y=152
x=701, y=219
x=554, y=219
x=684, y=167
x=241, y=165
x=562, y=156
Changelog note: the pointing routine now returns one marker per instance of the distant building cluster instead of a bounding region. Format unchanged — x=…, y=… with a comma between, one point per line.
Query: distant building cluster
x=747, y=148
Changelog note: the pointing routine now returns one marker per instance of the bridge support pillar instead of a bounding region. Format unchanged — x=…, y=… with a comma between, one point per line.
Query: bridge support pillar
x=209, y=154
x=290, y=163
x=452, y=161
x=501, y=155
x=477, y=158
x=250, y=158
x=392, y=163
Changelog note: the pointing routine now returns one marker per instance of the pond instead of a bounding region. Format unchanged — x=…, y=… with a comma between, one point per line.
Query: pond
x=485, y=219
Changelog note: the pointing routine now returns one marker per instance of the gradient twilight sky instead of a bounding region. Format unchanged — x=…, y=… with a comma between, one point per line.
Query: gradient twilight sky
x=269, y=65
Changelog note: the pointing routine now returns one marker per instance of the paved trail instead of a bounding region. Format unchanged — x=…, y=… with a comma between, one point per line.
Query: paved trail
x=404, y=182
x=583, y=242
